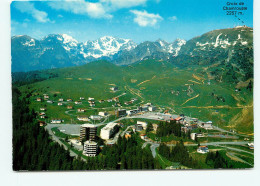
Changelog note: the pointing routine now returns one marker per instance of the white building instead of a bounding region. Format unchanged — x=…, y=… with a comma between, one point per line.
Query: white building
x=56, y=121
x=61, y=99
x=91, y=99
x=151, y=108
x=90, y=148
x=60, y=104
x=102, y=113
x=207, y=125
x=203, y=149
x=193, y=136
x=46, y=97
x=107, y=131
x=83, y=118
x=114, y=88
x=142, y=123
x=95, y=117
x=129, y=112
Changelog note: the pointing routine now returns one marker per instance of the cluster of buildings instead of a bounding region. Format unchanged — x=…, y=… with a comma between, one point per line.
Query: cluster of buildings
x=144, y=108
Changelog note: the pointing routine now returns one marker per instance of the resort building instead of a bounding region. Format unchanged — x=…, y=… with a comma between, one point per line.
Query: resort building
x=107, y=131
x=90, y=148
x=88, y=131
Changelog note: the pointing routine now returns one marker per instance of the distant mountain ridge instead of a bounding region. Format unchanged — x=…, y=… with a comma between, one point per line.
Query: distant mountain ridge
x=62, y=50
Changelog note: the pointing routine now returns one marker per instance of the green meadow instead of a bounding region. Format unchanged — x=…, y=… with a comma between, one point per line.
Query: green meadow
x=190, y=91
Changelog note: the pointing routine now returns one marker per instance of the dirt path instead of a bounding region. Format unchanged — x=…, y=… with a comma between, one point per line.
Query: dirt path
x=190, y=99
x=146, y=80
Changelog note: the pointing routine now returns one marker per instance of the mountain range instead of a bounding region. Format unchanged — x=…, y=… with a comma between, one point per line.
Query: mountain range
x=61, y=50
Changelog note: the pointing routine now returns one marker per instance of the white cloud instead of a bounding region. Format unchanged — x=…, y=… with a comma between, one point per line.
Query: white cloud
x=173, y=18
x=143, y=18
x=123, y=3
x=94, y=10
x=27, y=7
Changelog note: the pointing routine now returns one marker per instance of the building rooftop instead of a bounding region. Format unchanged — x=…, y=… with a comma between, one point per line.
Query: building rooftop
x=90, y=143
x=88, y=125
x=109, y=126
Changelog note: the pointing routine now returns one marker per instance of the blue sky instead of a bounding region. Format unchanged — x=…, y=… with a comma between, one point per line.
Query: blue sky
x=139, y=20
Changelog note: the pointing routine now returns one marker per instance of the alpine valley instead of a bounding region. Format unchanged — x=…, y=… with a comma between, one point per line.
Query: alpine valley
x=209, y=77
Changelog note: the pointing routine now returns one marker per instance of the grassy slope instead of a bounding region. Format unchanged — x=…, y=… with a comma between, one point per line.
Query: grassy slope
x=150, y=81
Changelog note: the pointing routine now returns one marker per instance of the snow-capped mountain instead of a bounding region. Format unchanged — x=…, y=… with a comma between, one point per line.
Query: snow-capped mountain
x=105, y=46
x=159, y=49
x=173, y=47
x=62, y=50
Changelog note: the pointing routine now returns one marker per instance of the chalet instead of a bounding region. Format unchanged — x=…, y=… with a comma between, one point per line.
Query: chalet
x=69, y=107
x=81, y=110
x=203, y=149
x=115, y=99
x=41, y=123
x=83, y=118
x=56, y=121
x=42, y=113
x=46, y=97
x=102, y=113
x=92, y=104
x=81, y=98
x=251, y=145
x=43, y=109
x=49, y=101
x=91, y=99
x=109, y=100
x=207, y=125
x=178, y=119
x=133, y=99
x=128, y=102
x=69, y=100
x=60, y=104
x=43, y=116
x=114, y=89
x=39, y=99
x=61, y=99
x=78, y=102
x=95, y=117
x=101, y=101
x=118, y=104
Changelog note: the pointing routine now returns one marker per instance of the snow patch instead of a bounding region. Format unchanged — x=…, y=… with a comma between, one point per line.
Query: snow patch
x=217, y=40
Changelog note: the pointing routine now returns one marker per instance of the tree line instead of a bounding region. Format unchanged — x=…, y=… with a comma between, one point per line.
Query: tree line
x=33, y=148
x=178, y=154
